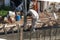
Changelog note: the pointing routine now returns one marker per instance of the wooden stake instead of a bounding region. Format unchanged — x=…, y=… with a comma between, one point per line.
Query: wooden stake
x=21, y=33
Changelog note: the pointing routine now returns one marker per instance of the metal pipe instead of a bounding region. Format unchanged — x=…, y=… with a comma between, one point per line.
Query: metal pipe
x=25, y=12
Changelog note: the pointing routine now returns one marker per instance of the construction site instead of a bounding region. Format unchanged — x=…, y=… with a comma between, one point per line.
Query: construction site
x=31, y=20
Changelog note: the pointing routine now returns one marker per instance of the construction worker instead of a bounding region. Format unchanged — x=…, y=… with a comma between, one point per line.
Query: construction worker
x=35, y=18
x=10, y=17
x=34, y=5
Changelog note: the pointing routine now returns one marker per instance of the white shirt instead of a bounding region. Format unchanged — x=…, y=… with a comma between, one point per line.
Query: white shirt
x=34, y=13
x=11, y=13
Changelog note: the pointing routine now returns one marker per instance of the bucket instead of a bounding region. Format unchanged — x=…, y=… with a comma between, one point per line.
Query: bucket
x=18, y=17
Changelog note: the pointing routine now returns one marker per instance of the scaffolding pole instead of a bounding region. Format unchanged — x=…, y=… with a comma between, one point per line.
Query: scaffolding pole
x=25, y=18
x=25, y=12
